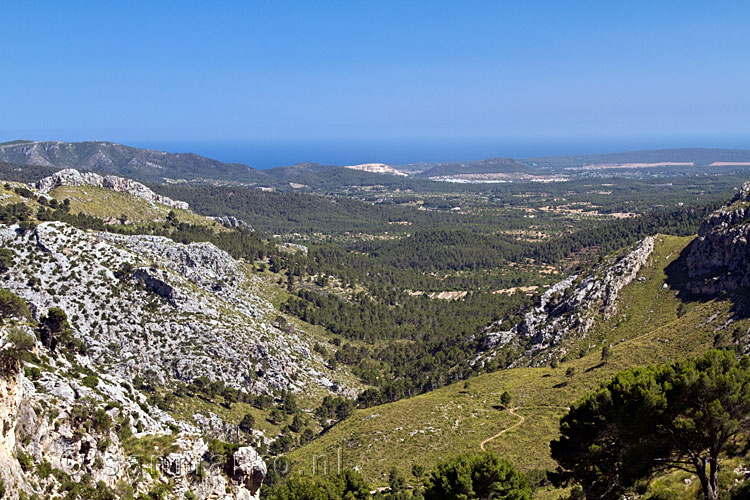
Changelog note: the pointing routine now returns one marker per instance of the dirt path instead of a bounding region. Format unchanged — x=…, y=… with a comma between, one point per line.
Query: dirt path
x=521, y=419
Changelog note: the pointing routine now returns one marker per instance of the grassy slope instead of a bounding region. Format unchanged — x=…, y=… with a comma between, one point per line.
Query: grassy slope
x=430, y=427
x=105, y=203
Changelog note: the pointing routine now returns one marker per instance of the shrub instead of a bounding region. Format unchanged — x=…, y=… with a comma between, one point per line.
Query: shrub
x=17, y=344
x=484, y=475
x=43, y=470
x=24, y=460
x=6, y=259
x=91, y=381
x=505, y=399
x=247, y=423
x=11, y=305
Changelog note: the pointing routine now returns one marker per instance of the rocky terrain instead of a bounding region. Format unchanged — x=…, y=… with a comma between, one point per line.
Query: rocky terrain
x=718, y=259
x=233, y=222
x=60, y=436
x=139, y=311
x=146, y=303
x=80, y=414
x=568, y=309
x=72, y=177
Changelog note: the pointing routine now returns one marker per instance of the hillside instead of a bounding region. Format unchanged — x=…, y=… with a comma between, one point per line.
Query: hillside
x=126, y=161
x=652, y=324
x=119, y=344
x=195, y=290
x=133, y=327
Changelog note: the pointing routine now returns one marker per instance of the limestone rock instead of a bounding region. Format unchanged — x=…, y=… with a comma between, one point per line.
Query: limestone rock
x=570, y=307
x=146, y=304
x=72, y=177
x=718, y=259
x=233, y=222
x=249, y=472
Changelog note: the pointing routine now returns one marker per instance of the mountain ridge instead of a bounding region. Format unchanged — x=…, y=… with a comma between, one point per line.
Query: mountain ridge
x=151, y=165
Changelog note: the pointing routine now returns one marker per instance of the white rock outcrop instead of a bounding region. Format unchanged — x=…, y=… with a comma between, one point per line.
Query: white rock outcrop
x=146, y=304
x=72, y=177
x=572, y=306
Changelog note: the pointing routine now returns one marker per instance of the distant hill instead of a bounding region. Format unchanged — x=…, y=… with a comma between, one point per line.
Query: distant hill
x=158, y=166
x=697, y=156
x=646, y=162
x=491, y=166
x=112, y=158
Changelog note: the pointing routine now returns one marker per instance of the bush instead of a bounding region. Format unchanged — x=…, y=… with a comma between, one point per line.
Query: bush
x=17, y=344
x=741, y=492
x=11, y=305
x=6, y=259
x=505, y=399
x=24, y=460
x=90, y=381
x=484, y=475
x=347, y=485
x=247, y=423
x=43, y=470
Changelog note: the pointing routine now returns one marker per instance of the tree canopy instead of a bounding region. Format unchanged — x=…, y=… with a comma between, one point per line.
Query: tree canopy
x=479, y=476
x=348, y=485
x=11, y=305
x=652, y=419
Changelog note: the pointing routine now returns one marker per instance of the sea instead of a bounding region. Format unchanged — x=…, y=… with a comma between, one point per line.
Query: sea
x=265, y=154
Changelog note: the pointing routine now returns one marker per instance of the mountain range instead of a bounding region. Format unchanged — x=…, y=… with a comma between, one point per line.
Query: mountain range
x=159, y=167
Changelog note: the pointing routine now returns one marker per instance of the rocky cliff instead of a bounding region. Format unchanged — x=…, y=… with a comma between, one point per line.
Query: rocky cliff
x=568, y=309
x=72, y=177
x=146, y=303
x=11, y=398
x=62, y=437
x=139, y=308
x=718, y=259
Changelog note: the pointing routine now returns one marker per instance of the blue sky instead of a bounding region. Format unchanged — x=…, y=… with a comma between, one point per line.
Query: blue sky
x=630, y=73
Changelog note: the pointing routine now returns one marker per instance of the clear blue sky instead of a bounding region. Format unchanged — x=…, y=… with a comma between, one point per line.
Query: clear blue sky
x=631, y=73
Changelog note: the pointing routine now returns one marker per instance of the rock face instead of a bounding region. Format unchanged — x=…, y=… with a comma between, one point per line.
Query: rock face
x=59, y=423
x=72, y=177
x=571, y=307
x=11, y=398
x=143, y=306
x=233, y=222
x=294, y=247
x=718, y=259
x=147, y=305
x=249, y=472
